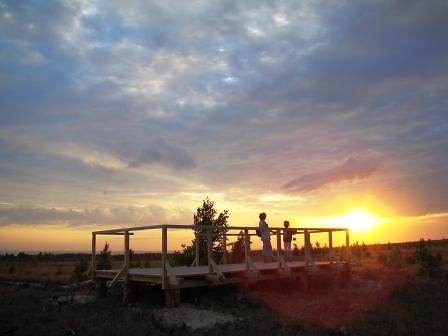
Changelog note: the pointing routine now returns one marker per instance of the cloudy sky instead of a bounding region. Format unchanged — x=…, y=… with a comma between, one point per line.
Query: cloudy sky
x=127, y=112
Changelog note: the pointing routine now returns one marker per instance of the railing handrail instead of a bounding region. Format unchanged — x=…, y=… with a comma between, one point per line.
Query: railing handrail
x=207, y=227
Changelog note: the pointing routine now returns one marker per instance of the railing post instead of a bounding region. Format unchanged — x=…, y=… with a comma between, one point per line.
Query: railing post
x=93, y=262
x=246, y=248
x=164, y=256
x=330, y=246
x=209, y=249
x=347, y=244
x=196, y=253
x=307, y=247
x=126, y=266
x=126, y=251
x=279, y=248
x=224, y=248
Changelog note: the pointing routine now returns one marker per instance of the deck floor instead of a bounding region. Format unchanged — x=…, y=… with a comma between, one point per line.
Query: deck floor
x=192, y=271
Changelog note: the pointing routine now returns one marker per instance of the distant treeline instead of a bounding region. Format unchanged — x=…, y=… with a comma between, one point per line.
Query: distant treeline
x=49, y=256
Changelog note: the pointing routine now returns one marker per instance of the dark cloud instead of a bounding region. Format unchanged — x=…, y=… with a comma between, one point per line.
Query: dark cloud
x=137, y=155
x=351, y=169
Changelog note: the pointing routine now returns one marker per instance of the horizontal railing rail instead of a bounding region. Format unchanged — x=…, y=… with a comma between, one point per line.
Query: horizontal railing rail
x=206, y=227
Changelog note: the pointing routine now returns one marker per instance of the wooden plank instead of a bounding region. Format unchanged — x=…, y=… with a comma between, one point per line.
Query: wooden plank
x=172, y=279
x=216, y=268
x=284, y=267
x=126, y=254
x=279, y=248
x=224, y=248
x=117, y=277
x=189, y=226
x=246, y=248
x=164, y=257
x=347, y=244
x=185, y=271
x=197, y=250
x=93, y=261
x=209, y=249
x=330, y=246
x=126, y=267
x=308, y=258
x=306, y=246
x=135, y=228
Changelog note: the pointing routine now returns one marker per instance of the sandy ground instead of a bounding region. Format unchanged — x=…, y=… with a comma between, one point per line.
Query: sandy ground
x=373, y=303
x=191, y=317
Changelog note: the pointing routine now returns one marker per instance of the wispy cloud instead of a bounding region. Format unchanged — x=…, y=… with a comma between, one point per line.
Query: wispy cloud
x=123, y=216
x=351, y=169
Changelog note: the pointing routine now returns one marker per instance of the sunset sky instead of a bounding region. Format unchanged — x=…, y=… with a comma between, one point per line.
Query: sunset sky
x=122, y=113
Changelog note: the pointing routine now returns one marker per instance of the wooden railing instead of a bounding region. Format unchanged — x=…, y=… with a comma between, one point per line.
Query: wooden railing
x=168, y=277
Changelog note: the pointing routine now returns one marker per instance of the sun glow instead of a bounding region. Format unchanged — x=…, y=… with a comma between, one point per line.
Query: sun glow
x=359, y=220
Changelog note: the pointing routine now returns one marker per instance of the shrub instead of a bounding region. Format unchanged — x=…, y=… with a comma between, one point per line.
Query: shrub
x=237, y=253
x=105, y=260
x=184, y=257
x=392, y=258
x=80, y=271
x=429, y=262
x=295, y=251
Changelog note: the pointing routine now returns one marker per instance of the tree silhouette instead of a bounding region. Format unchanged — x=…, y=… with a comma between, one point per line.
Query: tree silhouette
x=206, y=215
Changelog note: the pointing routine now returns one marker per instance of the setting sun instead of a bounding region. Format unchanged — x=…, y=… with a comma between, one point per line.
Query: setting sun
x=359, y=220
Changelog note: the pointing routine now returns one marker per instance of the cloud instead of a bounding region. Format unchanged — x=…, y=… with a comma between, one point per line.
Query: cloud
x=351, y=169
x=117, y=216
x=228, y=94
x=138, y=155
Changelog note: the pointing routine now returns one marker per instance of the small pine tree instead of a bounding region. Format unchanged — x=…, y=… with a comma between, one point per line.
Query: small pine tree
x=105, y=259
x=237, y=253
x=295, y=251
x=204, y=216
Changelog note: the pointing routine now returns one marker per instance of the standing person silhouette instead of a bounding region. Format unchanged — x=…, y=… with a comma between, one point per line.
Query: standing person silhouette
x=265, y=238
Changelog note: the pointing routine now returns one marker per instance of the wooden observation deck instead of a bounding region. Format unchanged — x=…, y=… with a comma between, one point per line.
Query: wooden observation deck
x=173, y=278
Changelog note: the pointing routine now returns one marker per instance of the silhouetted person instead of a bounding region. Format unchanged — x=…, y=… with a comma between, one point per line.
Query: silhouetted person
x=265, y=238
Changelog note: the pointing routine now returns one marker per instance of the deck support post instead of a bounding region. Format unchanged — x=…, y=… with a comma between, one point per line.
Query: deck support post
x=164, y=257
x=100, y=288
x=224, y=248
x=93, y=261
x=330, y=247
x=347, y=244
x=209, y=249
x=126, y=267
x=279, y=248
x=172, y=297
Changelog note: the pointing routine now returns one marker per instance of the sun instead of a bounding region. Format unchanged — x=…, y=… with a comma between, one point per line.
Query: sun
x=359, y=220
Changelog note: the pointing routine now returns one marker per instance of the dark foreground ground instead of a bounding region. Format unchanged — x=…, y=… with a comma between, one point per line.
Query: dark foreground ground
x=373, y=304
